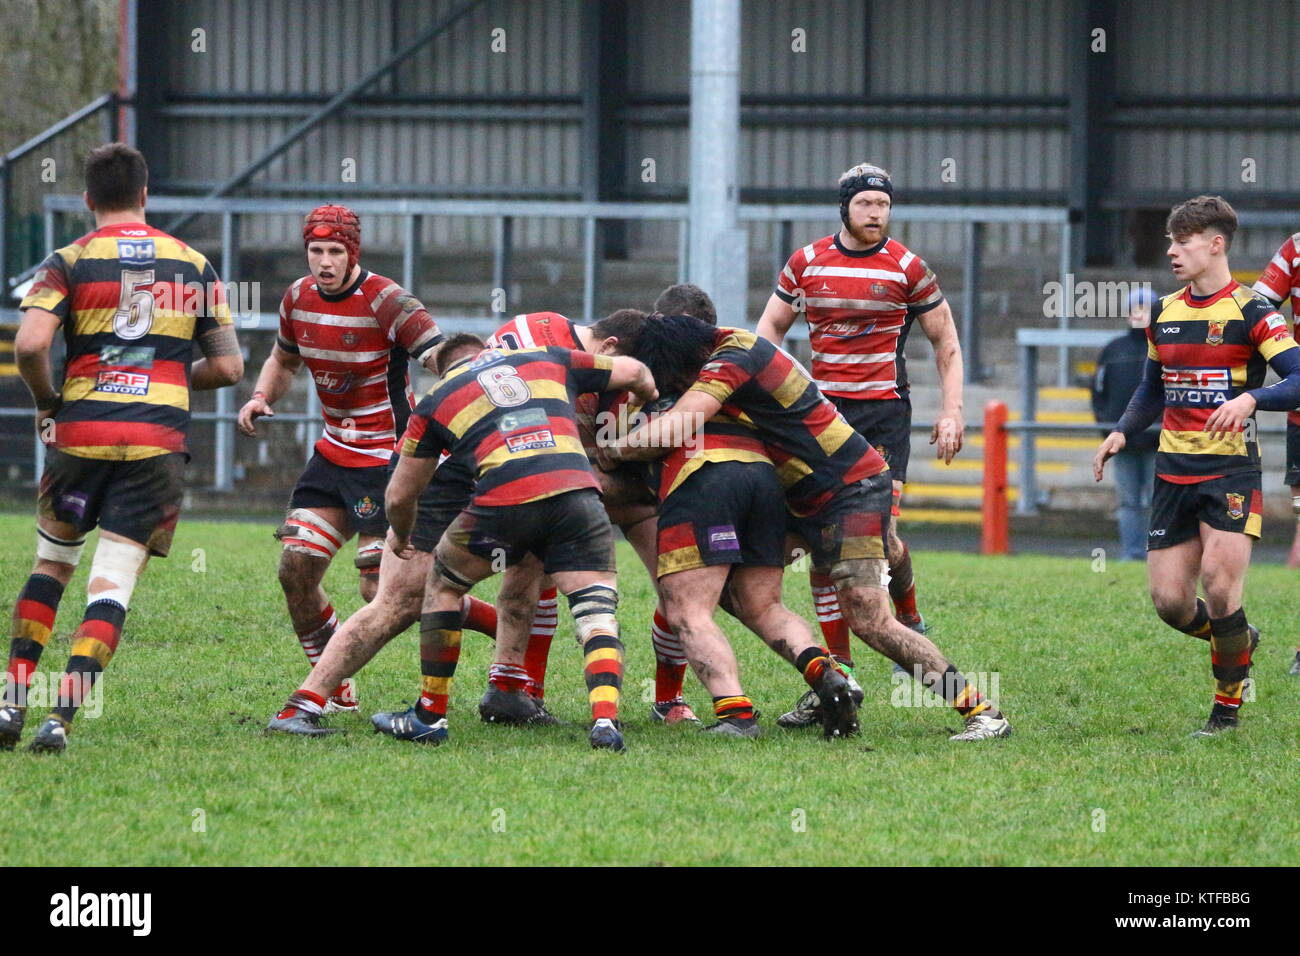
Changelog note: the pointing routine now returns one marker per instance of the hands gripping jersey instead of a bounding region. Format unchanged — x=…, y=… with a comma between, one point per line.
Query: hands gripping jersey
x=1211, y=350
x=132, y=300
x=815, y=451
x=512, y=412
x=355, y=344
x=859, y=306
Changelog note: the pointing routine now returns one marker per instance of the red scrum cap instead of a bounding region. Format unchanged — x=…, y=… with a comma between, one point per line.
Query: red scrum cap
x=335, y=223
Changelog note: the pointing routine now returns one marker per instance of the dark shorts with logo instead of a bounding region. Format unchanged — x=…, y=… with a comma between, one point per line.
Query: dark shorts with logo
x=567, y=532
x=886, y=423
x=358, y=491
x=446, y=495
x=1231, y=503
x=139, y=500
x=728, y=512
x=1293, y=449
x=851, y=526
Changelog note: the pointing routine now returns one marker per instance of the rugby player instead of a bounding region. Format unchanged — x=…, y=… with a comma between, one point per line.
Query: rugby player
x=860, y=291
x=836, y=485
x=1211, y=343
x=1280, y=281
x=131, y=302
x=721, y=527
x=534, y=492
x=354, y=330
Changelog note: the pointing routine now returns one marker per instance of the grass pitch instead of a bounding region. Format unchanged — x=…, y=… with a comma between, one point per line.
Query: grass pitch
x=1099, y=770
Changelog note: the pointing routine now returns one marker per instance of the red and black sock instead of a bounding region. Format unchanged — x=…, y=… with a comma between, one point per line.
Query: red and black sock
x=92, y=648
x=738, y=708
x=510, y=678
x=1230, y=660
x=546, y=617
x=670, y=660
x=812, y=663
x=902, y=588
x=602, y=663
x=439, y=654
x=38, y=603
x=835, y=630
x=953, y=687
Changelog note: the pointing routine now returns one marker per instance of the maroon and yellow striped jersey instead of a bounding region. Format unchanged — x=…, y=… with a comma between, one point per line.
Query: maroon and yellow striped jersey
x=133, y=301
x=1211, y=349
x=355, y=343
x=512, y=413
x=815, y=451
x=859, y=306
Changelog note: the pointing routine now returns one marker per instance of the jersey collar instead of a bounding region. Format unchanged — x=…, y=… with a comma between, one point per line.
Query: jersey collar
x=860, y=253
x=342, y=294
x=1199, y=302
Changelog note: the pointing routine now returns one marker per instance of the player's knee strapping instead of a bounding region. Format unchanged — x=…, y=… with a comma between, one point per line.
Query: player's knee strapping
x=594, y=612
x=50, y=548
x=368, y=558
x=305, y=532
x=860, y=573
x=449, y=577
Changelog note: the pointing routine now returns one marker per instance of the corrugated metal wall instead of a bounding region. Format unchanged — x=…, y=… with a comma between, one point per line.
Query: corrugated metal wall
x=864, y=52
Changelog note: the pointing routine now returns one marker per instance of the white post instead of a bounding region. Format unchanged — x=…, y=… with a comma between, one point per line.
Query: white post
x=718, y=260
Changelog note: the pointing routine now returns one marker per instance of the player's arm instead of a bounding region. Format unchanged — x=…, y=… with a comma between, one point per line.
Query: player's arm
x=273, y=382
x=408, y=323
x=949, y=428
x=409, y=478
x=222, y=363
x=1269, y=333
x=32, y=346
x=1143, y=409
x=629, y=374
x=679, y=427
x=778, y=315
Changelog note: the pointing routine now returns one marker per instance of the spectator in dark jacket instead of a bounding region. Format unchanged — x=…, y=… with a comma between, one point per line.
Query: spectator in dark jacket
x=1119, y=369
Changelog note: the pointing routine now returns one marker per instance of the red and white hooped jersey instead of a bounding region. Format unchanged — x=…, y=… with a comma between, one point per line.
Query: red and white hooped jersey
x=534, y=330
x=1281, y=278
x=356, y=344
x=859, y=306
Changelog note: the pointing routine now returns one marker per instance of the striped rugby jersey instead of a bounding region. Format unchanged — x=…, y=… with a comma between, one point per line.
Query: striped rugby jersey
x=1281, y=277
x=1210, y=350
x=512, y=412
x=815, y=451
x=133, y=300
x=724, y=439
x=537, y=329
x=859, y=306
x=356, y=343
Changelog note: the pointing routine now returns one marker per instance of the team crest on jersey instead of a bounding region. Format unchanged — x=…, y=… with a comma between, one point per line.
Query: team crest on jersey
x=878, y=290
x=1236, y=505
x=366, y=507
x=1214, y=335
x=349, y=339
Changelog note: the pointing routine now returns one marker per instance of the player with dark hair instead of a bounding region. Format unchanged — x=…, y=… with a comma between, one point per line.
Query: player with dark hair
x=860, y=291
x=354, y=330
x=686, y=298
x=836, y=485
x=132, y=302
x=1281, y=281
x=1211, y=343
x=534, y=493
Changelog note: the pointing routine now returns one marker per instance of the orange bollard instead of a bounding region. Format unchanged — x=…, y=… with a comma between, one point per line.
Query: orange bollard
x=995, y=535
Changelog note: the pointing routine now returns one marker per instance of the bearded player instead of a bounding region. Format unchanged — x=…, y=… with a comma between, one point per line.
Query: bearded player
x=1210, y=346
x=860, y=291
x=1280, y=281
x=354, y=331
